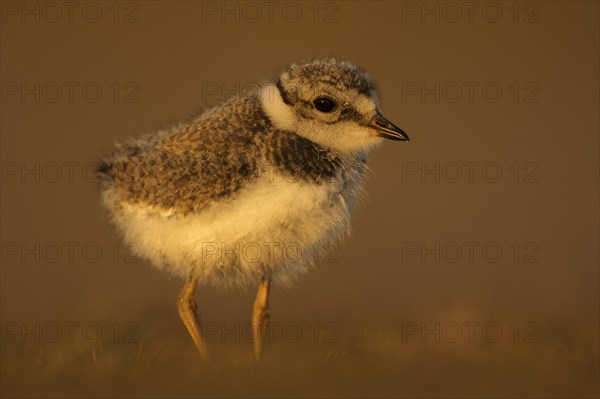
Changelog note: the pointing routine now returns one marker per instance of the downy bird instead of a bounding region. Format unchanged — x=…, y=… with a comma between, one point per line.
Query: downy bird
x=249, y=191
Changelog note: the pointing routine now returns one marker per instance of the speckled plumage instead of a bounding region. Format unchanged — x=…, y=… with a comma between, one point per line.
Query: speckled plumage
x=187, y=169
x=252, y=171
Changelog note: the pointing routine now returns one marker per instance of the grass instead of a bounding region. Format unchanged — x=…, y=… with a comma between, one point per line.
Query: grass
x=370, y=360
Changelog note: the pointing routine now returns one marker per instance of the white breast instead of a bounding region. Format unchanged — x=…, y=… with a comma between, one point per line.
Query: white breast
x=273, y=225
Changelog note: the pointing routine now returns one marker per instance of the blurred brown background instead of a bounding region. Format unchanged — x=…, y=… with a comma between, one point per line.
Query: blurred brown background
x=495, y=87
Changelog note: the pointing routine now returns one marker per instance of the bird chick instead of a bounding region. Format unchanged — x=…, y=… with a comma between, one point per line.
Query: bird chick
x=253, y=189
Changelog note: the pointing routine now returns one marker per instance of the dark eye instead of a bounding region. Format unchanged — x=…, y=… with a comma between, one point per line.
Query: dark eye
x=324, y=104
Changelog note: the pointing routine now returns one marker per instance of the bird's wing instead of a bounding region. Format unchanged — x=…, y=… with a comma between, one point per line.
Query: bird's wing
x=178, y=175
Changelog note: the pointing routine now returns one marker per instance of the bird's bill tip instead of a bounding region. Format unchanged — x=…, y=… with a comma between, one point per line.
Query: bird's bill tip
x=386, y=129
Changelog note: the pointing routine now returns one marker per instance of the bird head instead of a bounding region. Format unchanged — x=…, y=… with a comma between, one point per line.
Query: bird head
x=331, y=103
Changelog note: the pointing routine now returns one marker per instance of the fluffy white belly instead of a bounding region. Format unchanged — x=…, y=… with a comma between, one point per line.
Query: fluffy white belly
x=272, y=226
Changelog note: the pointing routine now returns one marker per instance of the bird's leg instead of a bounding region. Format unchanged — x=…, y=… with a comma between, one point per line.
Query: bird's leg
x=260, y=316
x=187, y=311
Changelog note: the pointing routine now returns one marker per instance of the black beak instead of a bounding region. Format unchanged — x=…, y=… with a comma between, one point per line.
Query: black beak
x=387, y=129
